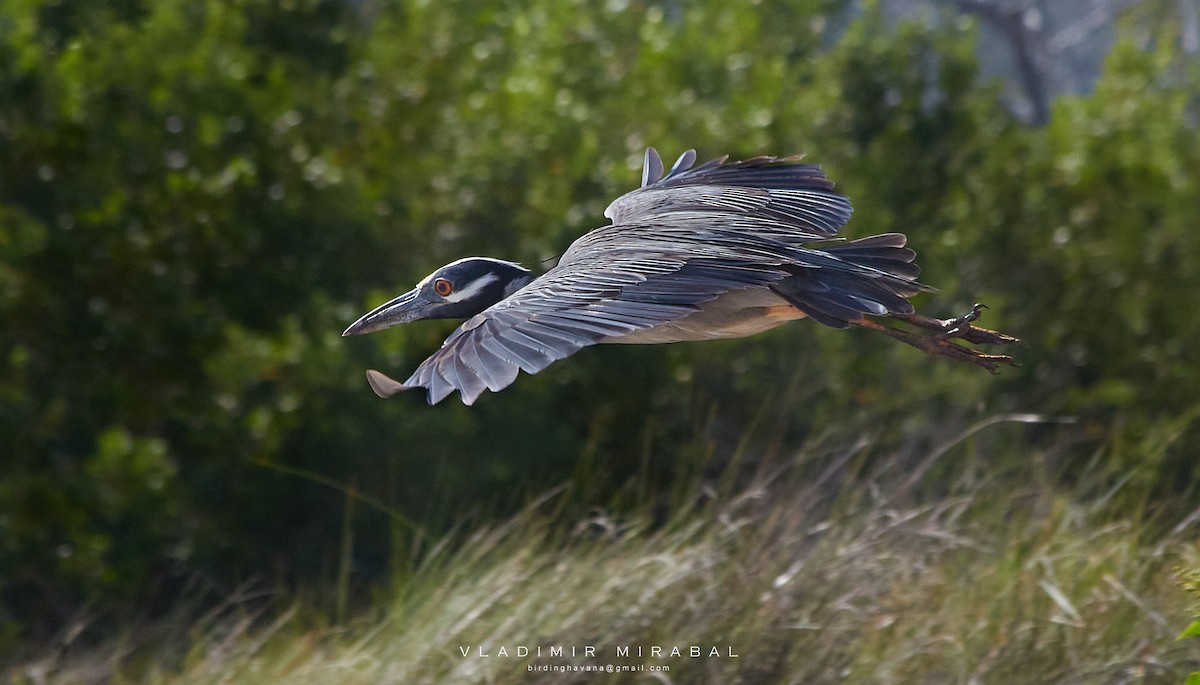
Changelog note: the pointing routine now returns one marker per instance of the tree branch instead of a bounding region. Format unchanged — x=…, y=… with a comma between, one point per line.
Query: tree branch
x=1011, y=24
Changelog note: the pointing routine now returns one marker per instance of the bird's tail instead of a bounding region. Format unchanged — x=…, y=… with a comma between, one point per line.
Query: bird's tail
x=839, y=283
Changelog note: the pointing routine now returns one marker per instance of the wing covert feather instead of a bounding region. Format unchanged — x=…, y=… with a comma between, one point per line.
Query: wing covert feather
x=776, y=192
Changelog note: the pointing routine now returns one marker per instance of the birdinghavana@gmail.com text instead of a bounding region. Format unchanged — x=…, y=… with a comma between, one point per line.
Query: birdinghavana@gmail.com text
x=628, y=654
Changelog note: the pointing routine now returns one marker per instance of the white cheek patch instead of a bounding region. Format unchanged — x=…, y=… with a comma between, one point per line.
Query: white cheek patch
x=472, y=288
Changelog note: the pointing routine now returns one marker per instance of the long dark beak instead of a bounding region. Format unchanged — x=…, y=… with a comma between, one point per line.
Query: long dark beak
x=408, y=307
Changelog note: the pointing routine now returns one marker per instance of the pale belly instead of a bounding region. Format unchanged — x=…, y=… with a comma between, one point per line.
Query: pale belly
x=735, y=314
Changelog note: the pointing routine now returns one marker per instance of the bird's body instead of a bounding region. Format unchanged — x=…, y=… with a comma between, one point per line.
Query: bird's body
x=720, y=251
x=735, y=314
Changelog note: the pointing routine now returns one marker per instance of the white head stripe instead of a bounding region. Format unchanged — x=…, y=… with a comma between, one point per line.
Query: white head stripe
x=472, y=288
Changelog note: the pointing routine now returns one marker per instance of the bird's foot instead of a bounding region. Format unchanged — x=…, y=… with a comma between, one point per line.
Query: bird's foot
x=960, y=327
x=939, y=342
x=956, y=327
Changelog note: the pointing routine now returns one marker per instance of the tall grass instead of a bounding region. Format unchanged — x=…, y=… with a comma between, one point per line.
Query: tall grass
x=834, y=565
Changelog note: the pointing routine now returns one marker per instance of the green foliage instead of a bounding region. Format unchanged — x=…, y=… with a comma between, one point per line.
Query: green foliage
x=1098, y=242
x=166, y=206
x=197, y=197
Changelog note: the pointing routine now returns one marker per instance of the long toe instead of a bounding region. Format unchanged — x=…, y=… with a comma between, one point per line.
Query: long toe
x=960, y=328
x=942, y=347
x=991, y=362
x=984, y=336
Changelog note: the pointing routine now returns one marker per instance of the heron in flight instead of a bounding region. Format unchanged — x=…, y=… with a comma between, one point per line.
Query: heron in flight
x=721, y=250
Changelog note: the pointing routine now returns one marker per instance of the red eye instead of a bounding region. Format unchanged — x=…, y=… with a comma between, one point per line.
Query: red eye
x=443, y=287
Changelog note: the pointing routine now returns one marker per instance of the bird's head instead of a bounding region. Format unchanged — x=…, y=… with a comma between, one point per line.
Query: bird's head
x=458, y=290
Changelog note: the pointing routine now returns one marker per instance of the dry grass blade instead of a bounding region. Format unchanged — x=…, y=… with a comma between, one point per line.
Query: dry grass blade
x=803, y=581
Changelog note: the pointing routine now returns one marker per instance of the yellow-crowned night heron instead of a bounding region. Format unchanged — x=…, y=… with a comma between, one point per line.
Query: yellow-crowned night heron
x=722, y=250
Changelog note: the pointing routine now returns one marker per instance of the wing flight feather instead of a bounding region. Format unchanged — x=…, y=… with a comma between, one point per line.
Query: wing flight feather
x=578, y=303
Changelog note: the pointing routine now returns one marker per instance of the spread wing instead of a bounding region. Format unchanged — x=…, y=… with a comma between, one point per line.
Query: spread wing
x=677, y=242
x=595, y=296
x=775, y=196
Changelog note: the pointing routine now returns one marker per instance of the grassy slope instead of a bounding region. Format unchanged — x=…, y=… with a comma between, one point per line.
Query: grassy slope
x=812, y=574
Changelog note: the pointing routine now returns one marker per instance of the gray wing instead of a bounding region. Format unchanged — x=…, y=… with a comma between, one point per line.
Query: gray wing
x=776, y=196
x=596, y=295
x=681, y=240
